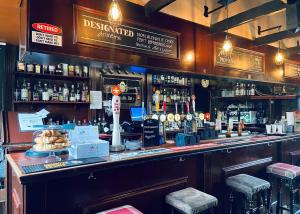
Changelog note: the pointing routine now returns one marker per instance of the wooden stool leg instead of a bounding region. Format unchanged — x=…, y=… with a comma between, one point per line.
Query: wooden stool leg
x=231, y=199
x=278, y=205
x=292, y=201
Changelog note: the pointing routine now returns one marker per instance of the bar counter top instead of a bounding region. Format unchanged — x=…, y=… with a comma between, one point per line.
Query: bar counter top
x=17, y=160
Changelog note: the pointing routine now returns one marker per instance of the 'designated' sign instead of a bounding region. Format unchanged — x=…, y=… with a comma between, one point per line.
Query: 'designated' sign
x=92, y=28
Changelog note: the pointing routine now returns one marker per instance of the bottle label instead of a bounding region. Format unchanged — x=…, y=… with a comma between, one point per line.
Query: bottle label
x=24, y=94
x=45, y=96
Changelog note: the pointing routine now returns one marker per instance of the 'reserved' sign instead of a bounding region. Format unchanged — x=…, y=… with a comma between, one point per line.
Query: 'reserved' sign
x=92, y=28
x=46, y=34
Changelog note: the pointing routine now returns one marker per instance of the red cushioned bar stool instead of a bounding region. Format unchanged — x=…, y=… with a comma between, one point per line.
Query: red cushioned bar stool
x=127, y=209
x=287, y=174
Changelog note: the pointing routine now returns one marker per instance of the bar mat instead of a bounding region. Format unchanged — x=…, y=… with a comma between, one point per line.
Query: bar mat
x=59, y=164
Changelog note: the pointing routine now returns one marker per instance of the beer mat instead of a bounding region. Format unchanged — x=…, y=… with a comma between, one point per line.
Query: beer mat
x=198, y=146
x=27, y=169
x=128, y=155
x=127, y=209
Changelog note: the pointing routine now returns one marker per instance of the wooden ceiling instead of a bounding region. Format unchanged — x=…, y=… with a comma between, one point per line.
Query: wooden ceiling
x=9, y=21
x=191, y=10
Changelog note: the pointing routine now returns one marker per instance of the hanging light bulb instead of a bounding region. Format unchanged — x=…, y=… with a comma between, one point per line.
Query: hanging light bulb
x=279, y=57
x=227, y=45
x=114, y=14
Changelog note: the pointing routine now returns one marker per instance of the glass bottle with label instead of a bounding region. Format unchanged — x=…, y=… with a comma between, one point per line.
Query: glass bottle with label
x=51, y=69
x=40, y=90
x=78, y=94
x=45, y=69
x=50, y=91
x=55, y=96
x=35, y=94
x=60, y=94
x=66, y=93
x=85, y=71
x=24, y=92
x=71, y=70
x=87, y=94
x=59, y=70
x=30, y=68
x=29, y=91
x=17, y=92
x=237, y=89
x=37, y=68
x=21, y=67
x=83, y=93
x=72, y=94
x=78, y=71
x=45, y=95
x=65, y=68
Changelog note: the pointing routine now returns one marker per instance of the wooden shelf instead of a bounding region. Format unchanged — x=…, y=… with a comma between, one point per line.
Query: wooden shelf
x=171, y=85
x=49, y=76
x=50, y=102
x=265, y=97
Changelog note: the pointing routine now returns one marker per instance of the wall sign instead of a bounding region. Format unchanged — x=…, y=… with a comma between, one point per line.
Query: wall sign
x=240, y=59
x=151, y=133
x=46, y=34
x=291, y=70
x=92, y=28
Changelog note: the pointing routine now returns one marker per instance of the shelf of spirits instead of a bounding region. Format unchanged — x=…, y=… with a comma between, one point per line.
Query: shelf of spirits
x=50, y=76
x=262, y=97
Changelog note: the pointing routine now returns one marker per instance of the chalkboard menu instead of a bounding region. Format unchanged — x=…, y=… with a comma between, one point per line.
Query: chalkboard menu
x=92, y=28
x=151, y=133
x=291, y=70
x=239, y=59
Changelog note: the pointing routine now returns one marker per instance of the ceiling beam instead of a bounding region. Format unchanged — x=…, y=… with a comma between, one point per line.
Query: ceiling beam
x=156, y=5
x=292, y=50
x=275, y=37
x=247, y=16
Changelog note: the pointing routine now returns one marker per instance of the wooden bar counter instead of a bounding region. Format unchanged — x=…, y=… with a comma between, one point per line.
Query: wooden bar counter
x=144, y=179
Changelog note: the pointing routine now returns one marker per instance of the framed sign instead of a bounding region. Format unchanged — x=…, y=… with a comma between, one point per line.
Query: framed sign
x=291, y=70
x=93, y=28
x=239, y=59
x=151, y=135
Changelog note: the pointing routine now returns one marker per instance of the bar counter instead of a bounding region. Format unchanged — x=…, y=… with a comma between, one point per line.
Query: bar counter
x=144, y=179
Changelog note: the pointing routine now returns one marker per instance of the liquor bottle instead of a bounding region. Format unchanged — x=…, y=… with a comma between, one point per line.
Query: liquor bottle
x=29, y=91
x=189, y=81
x=45, y=95
x=162, y=79
x=168, y=97
x=21, y=67
x=85, y=71
x=78, y=71
x=55, y=95
x=252, y=90
x=174, y=96
x=40, y=90
x=37, y=68
x=59, y=70
x=45, y=69
x=83, y=93
x=178, y=96
x=78, y=94
x=71, y=70
x=24, y=92
x=60, y=94
x=87, y=94
x=50, y=91
x=17, y=92
x=66, y=93
x=51, y=69
x=35, y=94
x=154, y=78
x=65, y=68
x=237, y=90
x=72, y=94
x=30, y=68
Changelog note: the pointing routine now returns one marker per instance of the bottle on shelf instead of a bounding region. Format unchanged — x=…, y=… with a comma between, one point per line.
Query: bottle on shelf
x=50, y=91
x=83, y=93
x=40, y=90
x=55, y=95
x=72, y=94
x=45, y=69
x=78, y=94
x=66, y=93
x=87, y=94
x=29, y=91
x=237, y=90
x=78, y=71
x=71, y=70
x=51, y=69
x=85, y=71
x=59, y=70
x=45, y=95
x=60, y=94
x=65, y=68
x=37, y=68
x=35, y=93
x=21, y=66
x=17, y=92
x=24, y=91
x=252, y=90
x=30, y=68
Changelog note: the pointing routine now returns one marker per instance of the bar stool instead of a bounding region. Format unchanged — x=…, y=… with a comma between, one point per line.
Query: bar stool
x=284, y=173
x=127, y=209
x=249, y=186
x=191, y=201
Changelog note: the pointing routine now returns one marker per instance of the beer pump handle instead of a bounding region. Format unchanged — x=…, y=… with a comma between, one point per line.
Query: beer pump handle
x=176, y=108
x=165, y=106
x=187, y=106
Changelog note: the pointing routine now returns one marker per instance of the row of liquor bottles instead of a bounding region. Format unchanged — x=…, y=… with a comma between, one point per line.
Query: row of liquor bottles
x=61, y=69
x=171, y=95
x=243, y=89
x=45, y=91
x=170, y=79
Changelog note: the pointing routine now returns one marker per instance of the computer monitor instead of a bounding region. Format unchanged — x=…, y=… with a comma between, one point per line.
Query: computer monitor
x=136, y=113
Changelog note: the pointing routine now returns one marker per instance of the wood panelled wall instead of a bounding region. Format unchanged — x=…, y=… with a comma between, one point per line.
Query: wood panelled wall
x=195, y=39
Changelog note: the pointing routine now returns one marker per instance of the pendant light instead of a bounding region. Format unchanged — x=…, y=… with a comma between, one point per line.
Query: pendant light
x=115, y=14
x=279, y=57
x=227, y=45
